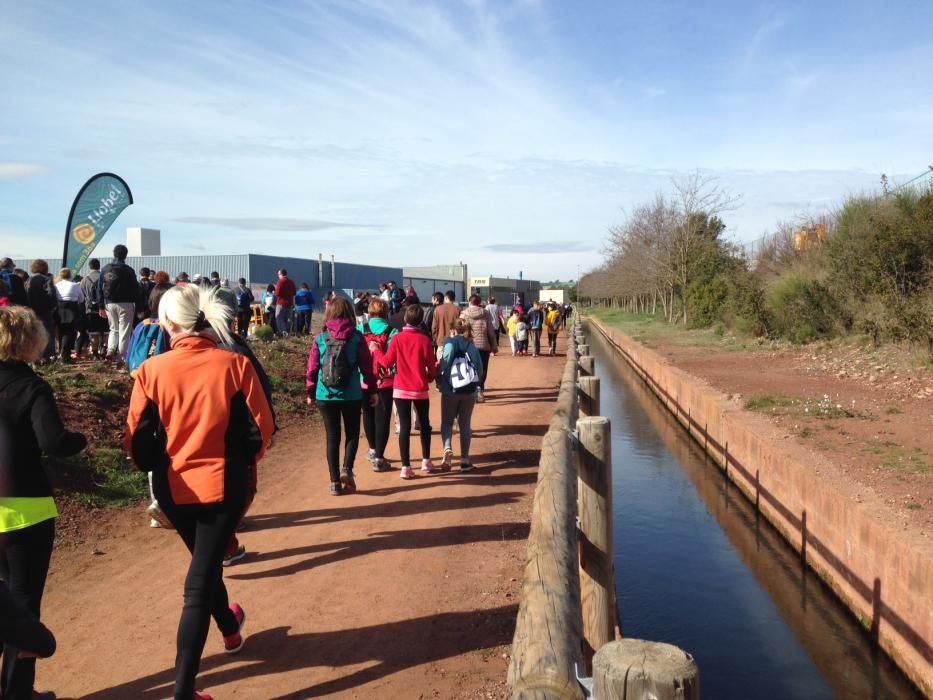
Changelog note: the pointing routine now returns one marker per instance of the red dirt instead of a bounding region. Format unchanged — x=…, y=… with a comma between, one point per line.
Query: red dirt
x=403, y=590
x=875, y=444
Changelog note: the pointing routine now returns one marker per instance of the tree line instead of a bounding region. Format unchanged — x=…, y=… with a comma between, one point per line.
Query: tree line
x=865, y=267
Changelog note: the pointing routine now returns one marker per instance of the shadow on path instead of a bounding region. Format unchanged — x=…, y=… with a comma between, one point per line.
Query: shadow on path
x=405, y=539
x=274, y=651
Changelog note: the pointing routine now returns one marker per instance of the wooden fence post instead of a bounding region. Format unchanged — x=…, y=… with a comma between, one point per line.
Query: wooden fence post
x=589, y=396
x=587, y=366
x=634, y=668
x=594, y=474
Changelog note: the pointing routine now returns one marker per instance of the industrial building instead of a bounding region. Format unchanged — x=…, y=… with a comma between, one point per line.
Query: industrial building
x=507, y=291
x=437, y=278
x=322, y=275
x=259, y=270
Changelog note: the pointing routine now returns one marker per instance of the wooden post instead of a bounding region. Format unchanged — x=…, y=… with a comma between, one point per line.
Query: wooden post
x=587, y=366
x=594, y=475
x=583, y=349
x=589, y=396
x=634, y=668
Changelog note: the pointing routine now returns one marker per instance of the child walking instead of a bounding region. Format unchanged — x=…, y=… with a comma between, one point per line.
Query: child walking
x=411, y=355
x=339, y=357
x=521, y=336
x=510, y=326
x=377, y=418
x=459, y=373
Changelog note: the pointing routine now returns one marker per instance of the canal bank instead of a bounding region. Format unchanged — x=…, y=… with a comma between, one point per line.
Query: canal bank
x=880, y=578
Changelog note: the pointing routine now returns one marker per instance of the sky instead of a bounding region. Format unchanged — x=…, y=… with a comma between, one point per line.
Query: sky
x=508, y=135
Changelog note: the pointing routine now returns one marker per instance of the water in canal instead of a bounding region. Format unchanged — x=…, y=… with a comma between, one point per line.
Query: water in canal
x=696, y=567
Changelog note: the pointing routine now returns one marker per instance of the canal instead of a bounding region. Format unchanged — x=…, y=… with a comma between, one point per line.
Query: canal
x=697, y=567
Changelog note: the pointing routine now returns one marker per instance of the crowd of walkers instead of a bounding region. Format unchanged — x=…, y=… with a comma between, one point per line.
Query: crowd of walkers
x=200, y=416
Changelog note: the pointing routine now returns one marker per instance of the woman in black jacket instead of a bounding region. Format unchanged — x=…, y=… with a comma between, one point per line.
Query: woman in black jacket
x=29, y=425
x=43, y=301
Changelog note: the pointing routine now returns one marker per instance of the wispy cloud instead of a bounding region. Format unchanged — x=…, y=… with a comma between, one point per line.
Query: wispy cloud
x=268, y=223
x=542, y=248
x=15, y=170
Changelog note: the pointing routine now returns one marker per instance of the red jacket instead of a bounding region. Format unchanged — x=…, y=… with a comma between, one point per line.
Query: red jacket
x=410, y=352
x=284, y=292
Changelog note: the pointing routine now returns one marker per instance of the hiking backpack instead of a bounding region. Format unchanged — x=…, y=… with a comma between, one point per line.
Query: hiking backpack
x=149, y=339
x=335, y=365
x=244, y=298
x=115, y=287
x=464, y=377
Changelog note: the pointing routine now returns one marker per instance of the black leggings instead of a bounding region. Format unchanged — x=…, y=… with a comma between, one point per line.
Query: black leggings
x=404, y=423
x=24, y=565
x=205, y=528
x=332, y=412
x=376, y=421
x=484, y=355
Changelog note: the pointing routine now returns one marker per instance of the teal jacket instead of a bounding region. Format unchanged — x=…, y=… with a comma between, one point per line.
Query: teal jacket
x=357, y=356
x=453, y=346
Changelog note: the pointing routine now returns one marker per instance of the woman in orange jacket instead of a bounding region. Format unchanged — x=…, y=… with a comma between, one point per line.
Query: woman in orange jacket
x=199, y=420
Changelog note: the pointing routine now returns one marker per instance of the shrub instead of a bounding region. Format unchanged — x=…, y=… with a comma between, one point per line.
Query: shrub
x=801, y=309
x=264, y=333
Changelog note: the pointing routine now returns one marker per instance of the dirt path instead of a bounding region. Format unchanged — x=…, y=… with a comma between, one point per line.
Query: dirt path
x=403, y=590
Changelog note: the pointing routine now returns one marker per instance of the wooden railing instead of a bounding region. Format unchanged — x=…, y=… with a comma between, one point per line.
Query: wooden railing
x=568, y=627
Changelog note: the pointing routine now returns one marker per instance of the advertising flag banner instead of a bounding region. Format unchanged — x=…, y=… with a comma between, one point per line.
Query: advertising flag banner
x=96, y=207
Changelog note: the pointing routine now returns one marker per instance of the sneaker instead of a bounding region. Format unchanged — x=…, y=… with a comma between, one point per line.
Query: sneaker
x=466, y=466
x=397, y=430
x=371, y=456
x=236, y=556
x=448, y=459
x=408, y=473
x=381, y=465
x=428, y=466
x=158, y=516
x=347, y=481
x=336, y=488
x=234, y=642
x=201, y=695
x=479, y=396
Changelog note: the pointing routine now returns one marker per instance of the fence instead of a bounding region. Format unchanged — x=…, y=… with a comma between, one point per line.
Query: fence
x=568, y=641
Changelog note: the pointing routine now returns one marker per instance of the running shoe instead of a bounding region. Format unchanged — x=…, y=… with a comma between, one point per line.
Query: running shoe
x=347, y=481
x=466, y=466
x=201, y=695
x=428, y=466
x=158, y=516
x=371, y=456
x=234, y=642
x=336, y=488
x=408, y=473
x=448, y=459
x=381, y=465
x=236, y=556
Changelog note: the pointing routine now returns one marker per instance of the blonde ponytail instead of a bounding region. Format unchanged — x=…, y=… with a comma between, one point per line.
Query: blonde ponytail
x=197, y=310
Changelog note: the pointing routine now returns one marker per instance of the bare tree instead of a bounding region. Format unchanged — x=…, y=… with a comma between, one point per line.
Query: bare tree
x=698, y=199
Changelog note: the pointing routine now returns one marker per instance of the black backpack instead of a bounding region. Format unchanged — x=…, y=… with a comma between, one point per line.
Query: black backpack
x=115, y=287
x=336, y=372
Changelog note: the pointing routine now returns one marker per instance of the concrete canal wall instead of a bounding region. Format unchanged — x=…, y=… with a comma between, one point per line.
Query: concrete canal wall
x=884, y=580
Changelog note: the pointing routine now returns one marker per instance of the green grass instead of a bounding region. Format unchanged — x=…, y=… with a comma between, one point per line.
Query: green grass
x=767, y=402
x=914, y=506
x=102, y=478
x=653, y=330
x=894, y=410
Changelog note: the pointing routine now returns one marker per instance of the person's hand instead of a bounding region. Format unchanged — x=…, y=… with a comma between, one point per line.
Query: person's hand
x=373, y=346
x=309, y=400
x=373, y=400
x=102, y=313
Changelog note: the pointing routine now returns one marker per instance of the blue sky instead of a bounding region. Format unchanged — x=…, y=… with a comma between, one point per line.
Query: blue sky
x=508, y=135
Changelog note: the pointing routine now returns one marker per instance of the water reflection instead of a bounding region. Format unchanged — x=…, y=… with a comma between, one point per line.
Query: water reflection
x=697, y=567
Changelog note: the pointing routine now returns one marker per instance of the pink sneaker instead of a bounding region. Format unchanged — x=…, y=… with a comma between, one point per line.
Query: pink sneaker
x=428, y=466
x=201, y=695
x=234, y=642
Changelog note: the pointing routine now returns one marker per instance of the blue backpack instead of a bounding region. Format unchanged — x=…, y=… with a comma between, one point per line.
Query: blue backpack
x=148, y=339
